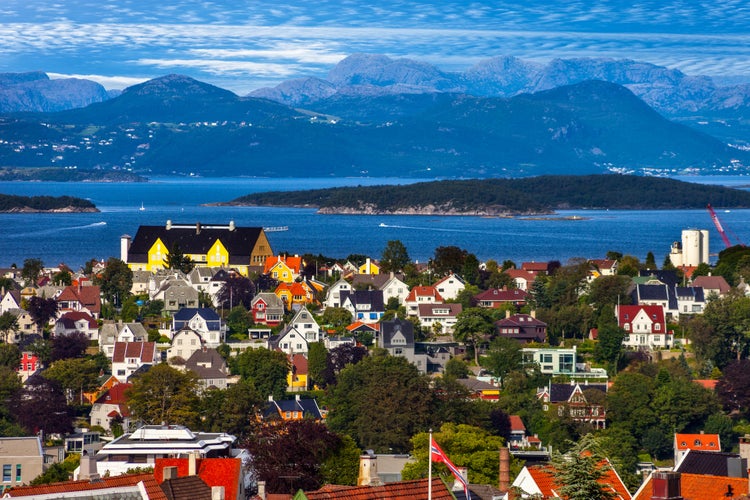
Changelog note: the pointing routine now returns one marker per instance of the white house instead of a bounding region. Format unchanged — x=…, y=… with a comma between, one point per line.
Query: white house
x=450, y=286
x=290, y=341
x=130, y=356
x=394, y=287
x=444, y=314
x=205, y=321
x=333, y=297
x=184, y=343
x=645, y=327
x=305, y=323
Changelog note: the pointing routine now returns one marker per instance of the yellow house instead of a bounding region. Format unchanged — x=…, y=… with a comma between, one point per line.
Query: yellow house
x=284, y=269
x=245, y=249
x=369, y=267
x=295, y=294
x=296, y=379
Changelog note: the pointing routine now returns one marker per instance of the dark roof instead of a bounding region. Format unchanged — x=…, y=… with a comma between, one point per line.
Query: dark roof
x=562, y=392
x=239, y=242
x=184, y=315
x=359, y=297
x=207, y=364
x=308, y=407
x=388, y=329
x=182, y=488
x=710, y=463
x=667, y=276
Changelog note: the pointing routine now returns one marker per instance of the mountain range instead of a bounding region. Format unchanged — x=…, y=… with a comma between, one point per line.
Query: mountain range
x=382, y=117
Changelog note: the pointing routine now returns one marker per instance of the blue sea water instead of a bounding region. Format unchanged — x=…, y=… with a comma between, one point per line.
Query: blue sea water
x=76, y=238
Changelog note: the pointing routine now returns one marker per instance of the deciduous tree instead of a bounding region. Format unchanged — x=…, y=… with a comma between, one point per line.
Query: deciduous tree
x=31, y=270
x=472, y=326
x=115, y=281
x=503, y=356
x=381, y=402
x=164, y=394
x=267, y=370
x=75, y=376
x=41, y=311
x=69, y=346
x=394, y=257
x=41, y=406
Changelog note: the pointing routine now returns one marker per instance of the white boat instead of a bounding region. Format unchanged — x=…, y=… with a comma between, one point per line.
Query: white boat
x=142, y=207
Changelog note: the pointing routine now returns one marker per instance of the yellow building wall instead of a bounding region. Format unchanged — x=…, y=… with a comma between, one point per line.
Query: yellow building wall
x=217, y=255
x=281, y=272
x=156, y=255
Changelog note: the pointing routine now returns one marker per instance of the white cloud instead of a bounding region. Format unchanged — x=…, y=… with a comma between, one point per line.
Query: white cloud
x=108, y=82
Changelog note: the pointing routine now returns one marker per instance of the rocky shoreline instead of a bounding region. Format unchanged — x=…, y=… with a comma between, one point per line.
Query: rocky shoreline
x=61, y=210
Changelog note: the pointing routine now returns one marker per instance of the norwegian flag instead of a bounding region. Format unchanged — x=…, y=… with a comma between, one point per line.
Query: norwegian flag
x=438, y=455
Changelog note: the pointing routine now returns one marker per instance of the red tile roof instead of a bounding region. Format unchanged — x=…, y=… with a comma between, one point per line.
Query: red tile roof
x=424, y=291
x=498, y=295
x=403, y=490
x=49, y=490
x=627, y=314
x=89, y=297
x=516, y=424
x=115, y=395
x=224, y=472
x=69, y=318
x=700, y=486
x=545, y=481
x=293, y=263
x=299, y=364
x=144, y=351
x=702, y=442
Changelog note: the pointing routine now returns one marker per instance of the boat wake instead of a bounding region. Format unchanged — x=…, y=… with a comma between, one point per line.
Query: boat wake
x=58, y=229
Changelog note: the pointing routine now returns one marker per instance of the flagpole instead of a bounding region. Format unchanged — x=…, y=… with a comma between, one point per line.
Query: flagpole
x=429, y=470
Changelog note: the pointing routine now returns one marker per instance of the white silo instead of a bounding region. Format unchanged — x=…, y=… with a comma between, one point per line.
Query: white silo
x=694, y=247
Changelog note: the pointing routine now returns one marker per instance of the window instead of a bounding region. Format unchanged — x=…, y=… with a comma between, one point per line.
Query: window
x=546, y=358
x=6, y=473
x=657, y=327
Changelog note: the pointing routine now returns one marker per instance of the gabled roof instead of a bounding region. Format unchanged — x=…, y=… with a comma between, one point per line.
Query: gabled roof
x=89, y=296
x=712, y=283
x=56, y=490
x=239, y=241
x=207, y=364
x=535, y=266
x=559, y=393
x=424, y=291
x=308, y=407
x=700, y=442
x=706, y=462
x=451, y=276
x=270, y=299
x=603, y=263
x=402, y=490
x=224, y=472
x=498, y=295
x=373, y=298
x=390, y=329
x=184, y=487
x=298, y=363
x=292, y=262
x=516, y=424
x=145, y=352
x=697, y=486
x=115, y=395
x=187, y=313
x=542, y=475
x=359, y=326
x=70, y=318
x=520, y=320
x=627, y=314
x=429, y=310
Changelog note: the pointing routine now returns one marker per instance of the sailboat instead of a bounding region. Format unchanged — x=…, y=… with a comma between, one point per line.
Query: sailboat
x=142, y=207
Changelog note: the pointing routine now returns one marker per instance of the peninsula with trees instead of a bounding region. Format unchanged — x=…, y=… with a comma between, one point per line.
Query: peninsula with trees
x=34, y=204
x=507, y=197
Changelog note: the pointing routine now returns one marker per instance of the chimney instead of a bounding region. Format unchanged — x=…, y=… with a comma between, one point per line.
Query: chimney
x=197, y=228
x=192, y=466
x=532, y=313
x=169, y=473
x=231, y=225
x=457, y=486
x=124, y=248
x=217, y=493
x=262, y=490
x=169, y=224
x=88, y=467
x=368, y=470
x=504, y=477
x=666, y=486
x=507, y=313
x=736, y=467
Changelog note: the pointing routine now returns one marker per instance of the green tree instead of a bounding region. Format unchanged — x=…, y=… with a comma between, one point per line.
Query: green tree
x=504, y=356
x=75, y=376
x=115, y=281
x=238, y=321
x=62, y=277
x=317, y=356
x=683, y=406
x=466, y=446
x=722, y=334
x=231, y=410
x=41, y=311
x=609, y=290
x=380, y=402
x=58, y=472
x=177, y=260
x=650, y=262
x=41, y=405
x=130, y=309
x=629, y=266
x=267, y=370
x=32, y=269
x=628, y=402
x=582, y=472
x=395, y=257
x=456, y=368
x=448, y=259
x=470, y=269
x=336, y=318
x=472, y=326
x=342, y=465
x=164, y=394
x=10, y=356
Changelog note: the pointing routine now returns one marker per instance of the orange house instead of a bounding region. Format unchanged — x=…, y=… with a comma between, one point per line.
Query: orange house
x=282, y=268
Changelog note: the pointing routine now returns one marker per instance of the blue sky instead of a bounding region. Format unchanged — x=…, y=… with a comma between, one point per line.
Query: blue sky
x=242, y=45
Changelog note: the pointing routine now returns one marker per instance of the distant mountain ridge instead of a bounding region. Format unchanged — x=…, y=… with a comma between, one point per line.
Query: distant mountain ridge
x=36, y=92
x=667, y=90
x=175, y=124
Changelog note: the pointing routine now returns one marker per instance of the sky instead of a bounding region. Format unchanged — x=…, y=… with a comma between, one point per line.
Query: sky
x=242, y=45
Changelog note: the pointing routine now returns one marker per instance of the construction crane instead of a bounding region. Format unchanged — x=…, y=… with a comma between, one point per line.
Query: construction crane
x=719, y=227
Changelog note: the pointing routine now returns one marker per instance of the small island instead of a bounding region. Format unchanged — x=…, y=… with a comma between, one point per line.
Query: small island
x=59, y=174
x=44, y=204
x=532, y=196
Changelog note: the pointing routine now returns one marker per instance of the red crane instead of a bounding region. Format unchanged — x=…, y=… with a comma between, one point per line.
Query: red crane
x=719, y=228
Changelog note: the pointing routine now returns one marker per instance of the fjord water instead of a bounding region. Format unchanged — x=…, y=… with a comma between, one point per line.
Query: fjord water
x=76, y=238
